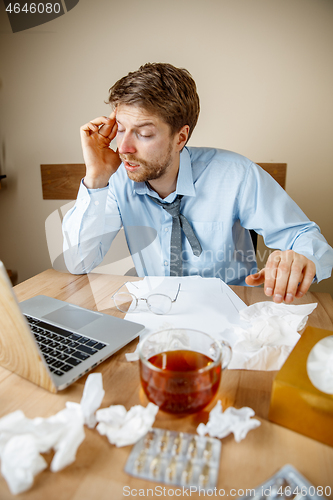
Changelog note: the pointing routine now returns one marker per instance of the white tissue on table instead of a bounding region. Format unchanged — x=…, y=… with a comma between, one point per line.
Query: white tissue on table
x=20, y=462
x=123, y=427
x=269, y=334
x=93, y=394
x=23, y=439
x=221, y=423
x=262, y=335
x=320, y=365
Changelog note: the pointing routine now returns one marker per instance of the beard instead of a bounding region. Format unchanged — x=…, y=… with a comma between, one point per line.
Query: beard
x=148, y=170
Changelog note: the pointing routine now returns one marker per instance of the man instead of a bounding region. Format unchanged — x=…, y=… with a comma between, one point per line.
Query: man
x=185, y=211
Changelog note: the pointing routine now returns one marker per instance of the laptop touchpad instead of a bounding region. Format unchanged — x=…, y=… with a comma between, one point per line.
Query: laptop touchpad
x=72, y=317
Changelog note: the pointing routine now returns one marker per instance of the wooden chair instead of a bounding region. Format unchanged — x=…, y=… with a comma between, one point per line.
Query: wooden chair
x=62, y=181
x=279, y=172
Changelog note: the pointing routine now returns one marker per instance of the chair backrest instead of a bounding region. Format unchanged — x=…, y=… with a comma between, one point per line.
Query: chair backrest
x=62, y=181
x=279, y=172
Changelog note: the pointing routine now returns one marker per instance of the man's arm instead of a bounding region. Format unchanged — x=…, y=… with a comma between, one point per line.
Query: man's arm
x=89, y=229
x=91, y=225
x=304, y=253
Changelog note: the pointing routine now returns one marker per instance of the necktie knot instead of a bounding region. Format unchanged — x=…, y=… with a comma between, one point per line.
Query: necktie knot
x=173, y=208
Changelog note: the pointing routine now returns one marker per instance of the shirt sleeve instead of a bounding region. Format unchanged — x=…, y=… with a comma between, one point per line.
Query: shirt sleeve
x=266, y=207
x=89, y=229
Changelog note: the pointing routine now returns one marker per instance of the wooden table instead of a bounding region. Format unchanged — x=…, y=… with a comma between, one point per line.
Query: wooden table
x=98, y=471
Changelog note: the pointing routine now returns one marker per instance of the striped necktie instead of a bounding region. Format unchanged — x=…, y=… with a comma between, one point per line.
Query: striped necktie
x=179, y=222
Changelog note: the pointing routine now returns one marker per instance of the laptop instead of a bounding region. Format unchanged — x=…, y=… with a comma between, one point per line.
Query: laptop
x=53, y=343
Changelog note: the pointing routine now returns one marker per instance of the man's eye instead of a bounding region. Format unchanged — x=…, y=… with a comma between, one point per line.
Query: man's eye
x=120, y=131
x=146, y=136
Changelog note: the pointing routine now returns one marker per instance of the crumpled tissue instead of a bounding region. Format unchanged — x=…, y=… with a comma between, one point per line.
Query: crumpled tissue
x=272, y=332
x=23, y=439
x=123, y=427
x=320, y=365
x=221, y=423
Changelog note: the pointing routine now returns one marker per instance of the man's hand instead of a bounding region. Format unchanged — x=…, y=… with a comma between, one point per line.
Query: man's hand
x=287, y=275
x=101, y=161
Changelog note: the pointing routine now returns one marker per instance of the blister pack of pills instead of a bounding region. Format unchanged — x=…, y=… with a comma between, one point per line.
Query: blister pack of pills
x=288, y=484
x=176, y=458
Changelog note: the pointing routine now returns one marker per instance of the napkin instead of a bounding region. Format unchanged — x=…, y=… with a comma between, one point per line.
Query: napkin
x=125, y=427
x=221, y=423
x=268, y=334
x=320, y=365
x=22, y=440
x=93, y=394
x=262, y=335
x=205, y=304
x=21, y=461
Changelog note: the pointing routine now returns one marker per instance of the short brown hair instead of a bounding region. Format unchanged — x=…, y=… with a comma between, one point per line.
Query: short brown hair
x=163, y=90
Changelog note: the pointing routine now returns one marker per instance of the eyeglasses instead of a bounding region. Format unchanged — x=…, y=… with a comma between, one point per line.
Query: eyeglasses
x=157, y=303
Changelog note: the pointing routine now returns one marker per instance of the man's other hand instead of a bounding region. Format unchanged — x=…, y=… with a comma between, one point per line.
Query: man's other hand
x=287, y=275
x=101, y=161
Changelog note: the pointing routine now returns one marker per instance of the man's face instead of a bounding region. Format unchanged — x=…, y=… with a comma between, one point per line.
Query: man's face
x=145, y=144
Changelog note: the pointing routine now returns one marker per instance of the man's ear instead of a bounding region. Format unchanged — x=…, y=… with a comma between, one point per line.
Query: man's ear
x=182, y=136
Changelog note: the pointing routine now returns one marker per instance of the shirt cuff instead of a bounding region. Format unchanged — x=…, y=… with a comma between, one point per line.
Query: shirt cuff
x=91, y=200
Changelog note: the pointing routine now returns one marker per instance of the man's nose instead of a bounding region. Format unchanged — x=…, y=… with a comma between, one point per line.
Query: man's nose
x=125, y=144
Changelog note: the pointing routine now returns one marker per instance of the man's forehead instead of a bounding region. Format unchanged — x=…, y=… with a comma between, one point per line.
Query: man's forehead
x=137, y=115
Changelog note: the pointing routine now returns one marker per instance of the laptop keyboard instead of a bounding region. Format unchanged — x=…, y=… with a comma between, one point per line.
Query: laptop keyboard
x=62, y=350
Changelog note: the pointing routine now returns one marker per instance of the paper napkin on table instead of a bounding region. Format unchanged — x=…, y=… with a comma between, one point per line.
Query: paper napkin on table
x=221, y=423
x=22, y=439
x=270, y=333
x=205, y=304
x=262, y=335
x=123, y=427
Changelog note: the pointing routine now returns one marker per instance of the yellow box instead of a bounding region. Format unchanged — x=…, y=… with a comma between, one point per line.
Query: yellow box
x=295, y=401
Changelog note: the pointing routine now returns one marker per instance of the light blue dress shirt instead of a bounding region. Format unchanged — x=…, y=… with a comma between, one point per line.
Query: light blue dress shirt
x=224, y=195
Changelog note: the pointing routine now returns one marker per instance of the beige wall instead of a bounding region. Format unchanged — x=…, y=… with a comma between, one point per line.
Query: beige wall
x=264, y=70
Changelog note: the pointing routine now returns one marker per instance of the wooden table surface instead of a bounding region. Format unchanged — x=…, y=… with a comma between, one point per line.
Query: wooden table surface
x=98, y=471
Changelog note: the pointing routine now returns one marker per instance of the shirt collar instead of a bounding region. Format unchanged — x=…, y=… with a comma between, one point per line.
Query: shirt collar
x=184, y=181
